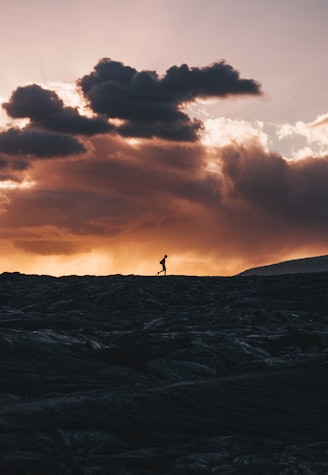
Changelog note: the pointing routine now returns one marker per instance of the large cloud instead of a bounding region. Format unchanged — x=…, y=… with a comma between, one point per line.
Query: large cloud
x=282, y=202
x=38, y=142
x=315, y=135
x=255, y=207
x=151, y=105
x=47, y=110
x=138, y=104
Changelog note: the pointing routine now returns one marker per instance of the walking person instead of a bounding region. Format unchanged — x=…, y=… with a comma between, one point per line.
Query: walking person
x=163, y=264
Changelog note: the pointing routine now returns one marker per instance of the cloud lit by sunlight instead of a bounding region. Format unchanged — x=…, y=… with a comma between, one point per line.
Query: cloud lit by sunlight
x=12, y=185
x=320, y=120
x=223, y=131
x=315, y=134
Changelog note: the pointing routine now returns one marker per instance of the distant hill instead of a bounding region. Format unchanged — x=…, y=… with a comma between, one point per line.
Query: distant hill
x=295, y=266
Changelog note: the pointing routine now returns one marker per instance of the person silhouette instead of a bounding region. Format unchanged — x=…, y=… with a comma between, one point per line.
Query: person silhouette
x=163, y=264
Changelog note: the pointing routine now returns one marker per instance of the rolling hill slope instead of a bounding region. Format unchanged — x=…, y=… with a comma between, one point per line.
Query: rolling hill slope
x=295, y=266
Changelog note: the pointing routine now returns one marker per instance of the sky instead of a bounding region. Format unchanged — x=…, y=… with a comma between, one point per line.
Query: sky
x=192, y=128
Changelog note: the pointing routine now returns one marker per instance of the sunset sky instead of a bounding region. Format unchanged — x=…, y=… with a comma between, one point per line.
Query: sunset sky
x=134, y=129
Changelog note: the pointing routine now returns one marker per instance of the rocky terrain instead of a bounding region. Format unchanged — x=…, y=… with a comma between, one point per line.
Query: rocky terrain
x=171, y=375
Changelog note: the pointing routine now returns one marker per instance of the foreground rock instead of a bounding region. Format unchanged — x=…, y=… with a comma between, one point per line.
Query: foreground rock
x=169, y=375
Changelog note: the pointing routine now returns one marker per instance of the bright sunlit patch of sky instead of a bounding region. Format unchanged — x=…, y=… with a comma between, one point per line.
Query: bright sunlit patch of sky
x=81, y=264
x=314, y=133
x=70, y=95
x=223, y=131
x=66, y=91
x=12, y=185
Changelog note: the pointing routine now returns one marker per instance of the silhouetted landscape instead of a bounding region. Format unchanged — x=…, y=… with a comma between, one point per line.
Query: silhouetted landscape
x=295, y=266
x=169, y=375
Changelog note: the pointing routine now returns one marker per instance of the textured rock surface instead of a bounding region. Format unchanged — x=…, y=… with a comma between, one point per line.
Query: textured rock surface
x=171, y=375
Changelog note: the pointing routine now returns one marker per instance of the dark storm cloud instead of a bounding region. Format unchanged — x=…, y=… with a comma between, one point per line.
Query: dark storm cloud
x=47, y=110
x=150, y=105
x=254, y=205
x=185, y=84
x=12, y=169
x=147, y=105
x=289, y=194
x=7, y=177
x=4, y=162
x=38, y=142
x=12, y=162
x=178, y=130
x=105, y=195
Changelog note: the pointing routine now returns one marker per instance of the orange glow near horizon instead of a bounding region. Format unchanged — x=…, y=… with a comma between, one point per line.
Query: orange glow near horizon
x=101, y=262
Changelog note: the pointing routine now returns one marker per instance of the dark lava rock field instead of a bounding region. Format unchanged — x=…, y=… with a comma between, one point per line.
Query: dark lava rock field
x=168, y=375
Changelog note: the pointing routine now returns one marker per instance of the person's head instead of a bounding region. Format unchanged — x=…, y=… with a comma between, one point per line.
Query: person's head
x=165, y=256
